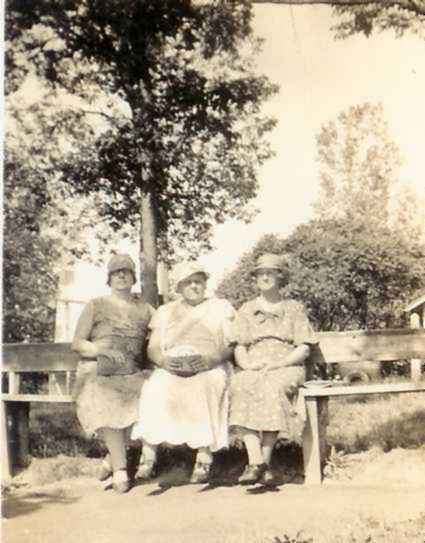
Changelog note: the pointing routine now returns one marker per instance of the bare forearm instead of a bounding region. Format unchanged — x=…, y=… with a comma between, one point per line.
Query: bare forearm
x=298, y=356
x=241, y=356
x=155, y=354
x=87, y=349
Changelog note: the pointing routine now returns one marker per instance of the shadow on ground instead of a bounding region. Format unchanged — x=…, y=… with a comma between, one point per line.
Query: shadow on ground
x=15, y=505
x=175, y=464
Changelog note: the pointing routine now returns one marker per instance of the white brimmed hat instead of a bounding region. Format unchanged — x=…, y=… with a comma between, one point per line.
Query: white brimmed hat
x=183, y=270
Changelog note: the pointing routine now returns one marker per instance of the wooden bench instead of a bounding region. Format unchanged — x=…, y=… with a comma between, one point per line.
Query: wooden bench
x=59, y=363
x=354, y=347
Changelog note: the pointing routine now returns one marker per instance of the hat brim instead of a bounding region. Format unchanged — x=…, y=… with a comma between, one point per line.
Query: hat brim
x=204, y=273
x=257, y=268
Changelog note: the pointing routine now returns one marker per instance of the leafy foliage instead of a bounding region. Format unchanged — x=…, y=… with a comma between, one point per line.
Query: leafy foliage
x=347, y=278
x=359, y=165
x=400, y=17
x=28, y=281
x=45, y=226
x=181, y=105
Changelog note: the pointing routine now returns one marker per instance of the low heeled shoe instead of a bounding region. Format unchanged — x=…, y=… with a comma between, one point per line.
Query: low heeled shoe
x=145, y=471
x=269, y=478
x=122, y=487
x=201, y=473
x=252, y=474
x=105, y=469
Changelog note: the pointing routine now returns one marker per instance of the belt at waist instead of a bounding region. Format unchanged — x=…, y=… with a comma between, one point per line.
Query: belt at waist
x=262, y=338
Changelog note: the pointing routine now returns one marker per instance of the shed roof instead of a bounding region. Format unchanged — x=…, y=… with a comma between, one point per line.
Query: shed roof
x=417, y=302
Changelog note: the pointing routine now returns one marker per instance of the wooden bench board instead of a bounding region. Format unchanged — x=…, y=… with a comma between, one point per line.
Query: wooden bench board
x=360, y=345
x=351, y=346
x=354, y=390
x=46, y=398
x=39, y=357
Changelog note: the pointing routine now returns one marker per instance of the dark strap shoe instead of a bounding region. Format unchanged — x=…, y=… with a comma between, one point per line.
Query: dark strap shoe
x=252, y=474
x=269, y=479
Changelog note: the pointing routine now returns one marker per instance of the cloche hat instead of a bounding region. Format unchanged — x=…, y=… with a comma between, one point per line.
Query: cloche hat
x=269, y=261
x=121, y=262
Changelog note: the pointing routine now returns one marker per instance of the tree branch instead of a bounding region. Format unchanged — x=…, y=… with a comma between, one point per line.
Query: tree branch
x=415, y=6
x=101, y=113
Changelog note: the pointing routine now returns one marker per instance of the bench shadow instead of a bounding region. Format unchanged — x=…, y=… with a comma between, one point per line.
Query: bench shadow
x=175, y=464
x=287, y=465
x=15, y=506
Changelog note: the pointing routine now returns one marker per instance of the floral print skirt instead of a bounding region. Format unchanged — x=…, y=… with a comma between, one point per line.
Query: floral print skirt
x=106, y=402
x=267, y=401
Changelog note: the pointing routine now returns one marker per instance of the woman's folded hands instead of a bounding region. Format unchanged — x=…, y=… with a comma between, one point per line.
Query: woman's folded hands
x=186, y=366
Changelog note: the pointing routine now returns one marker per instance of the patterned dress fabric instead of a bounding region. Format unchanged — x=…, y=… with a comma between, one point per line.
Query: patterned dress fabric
x=110, y=401
x=189, y=410
x=267, y=400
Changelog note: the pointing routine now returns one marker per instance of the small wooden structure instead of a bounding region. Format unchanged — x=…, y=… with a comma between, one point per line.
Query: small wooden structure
x=416, y=311
x=57, y=359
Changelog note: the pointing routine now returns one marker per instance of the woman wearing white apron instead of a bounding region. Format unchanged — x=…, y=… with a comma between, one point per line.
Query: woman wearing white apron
x=185, y=400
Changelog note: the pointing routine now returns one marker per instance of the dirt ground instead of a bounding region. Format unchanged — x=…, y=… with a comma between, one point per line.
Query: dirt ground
x=371, y=487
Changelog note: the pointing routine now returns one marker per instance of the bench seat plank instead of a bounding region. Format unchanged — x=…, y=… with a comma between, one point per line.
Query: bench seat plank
x=381, y=388
x=47, y=398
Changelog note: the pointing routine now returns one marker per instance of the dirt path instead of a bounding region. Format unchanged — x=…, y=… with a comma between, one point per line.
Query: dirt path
x=81, y=511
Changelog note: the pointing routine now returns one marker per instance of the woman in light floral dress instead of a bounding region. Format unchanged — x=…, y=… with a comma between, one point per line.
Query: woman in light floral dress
x=109, y=337
x=273, y=338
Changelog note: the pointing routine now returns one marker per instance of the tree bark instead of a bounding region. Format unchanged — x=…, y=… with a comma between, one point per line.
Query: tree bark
x=148, y=248
x=148, y=210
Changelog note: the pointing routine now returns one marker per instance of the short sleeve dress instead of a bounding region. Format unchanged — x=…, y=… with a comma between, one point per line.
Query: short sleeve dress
x=189, y=410
x=266, y=401
x=111, y=401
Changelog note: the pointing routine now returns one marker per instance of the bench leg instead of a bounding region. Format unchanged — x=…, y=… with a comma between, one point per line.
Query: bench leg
x=17, y=425
x=314, y=439
x=6, y=460
x=22, y=433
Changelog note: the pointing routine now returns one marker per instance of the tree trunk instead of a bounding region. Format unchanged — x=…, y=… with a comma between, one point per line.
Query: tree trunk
x=148, y=248
x=148, y=210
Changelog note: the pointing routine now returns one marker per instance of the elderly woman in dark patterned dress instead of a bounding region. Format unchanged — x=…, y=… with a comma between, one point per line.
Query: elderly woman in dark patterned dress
x=110, y=338
x=273, y=338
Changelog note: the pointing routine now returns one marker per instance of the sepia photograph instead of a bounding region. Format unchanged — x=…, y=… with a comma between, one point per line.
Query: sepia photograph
x=213, y=271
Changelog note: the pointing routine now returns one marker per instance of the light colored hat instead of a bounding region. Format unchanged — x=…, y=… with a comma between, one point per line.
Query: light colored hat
x=183, y=270
x=269, y=261
x=121, y=262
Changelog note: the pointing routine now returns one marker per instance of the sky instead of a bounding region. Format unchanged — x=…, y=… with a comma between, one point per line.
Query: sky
x=319, y=78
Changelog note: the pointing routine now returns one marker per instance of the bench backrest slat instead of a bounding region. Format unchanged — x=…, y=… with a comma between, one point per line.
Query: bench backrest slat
x=39, y=357
x=334, y=347
x=360, y=345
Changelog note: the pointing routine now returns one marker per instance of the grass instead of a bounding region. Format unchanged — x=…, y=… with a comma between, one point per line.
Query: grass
x=369, y=424
x=56, y=431
x=363, y=530
x=387, y=422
